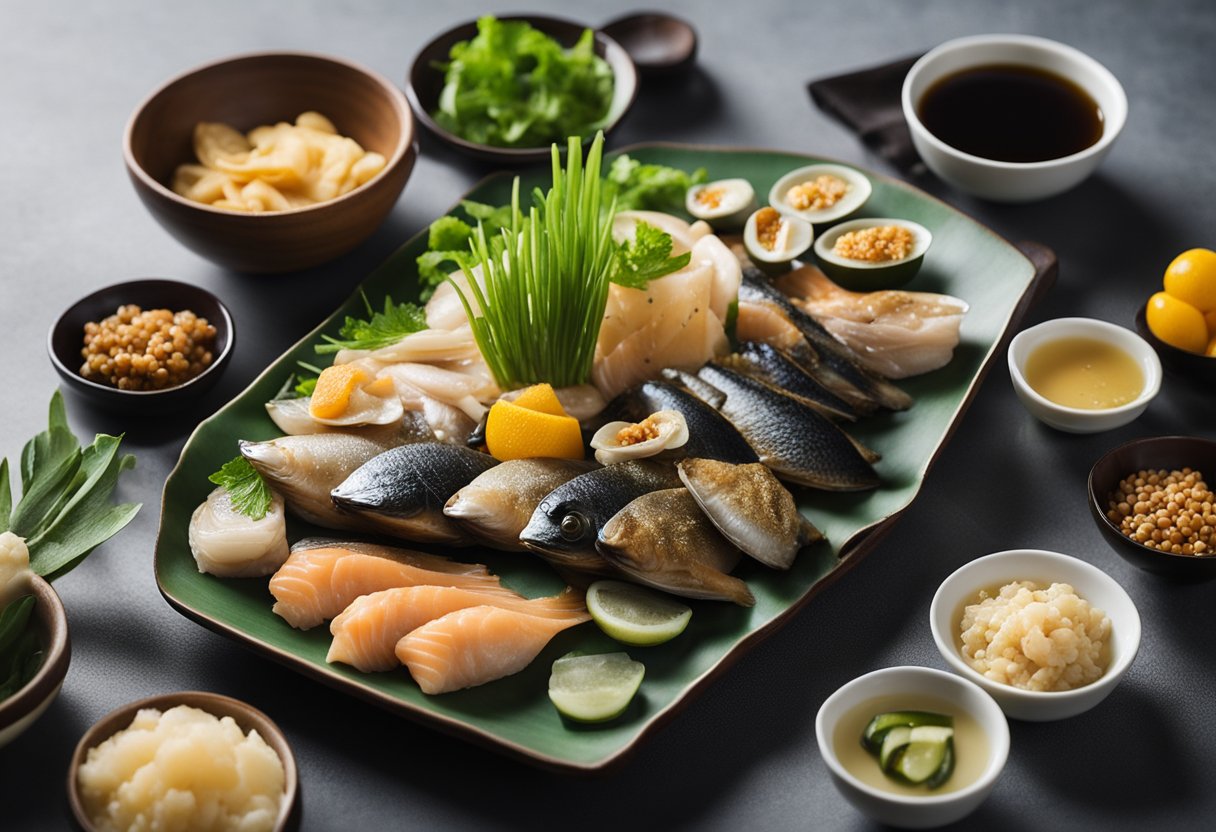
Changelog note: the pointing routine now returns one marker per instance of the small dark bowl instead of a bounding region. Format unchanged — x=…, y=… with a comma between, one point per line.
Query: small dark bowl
x=19, y=711
x=425, y=82
x=1168, y=452
x=252, y=90
x=659, y=43
x=246, y=717
x=1200, y=369
x=65, y=342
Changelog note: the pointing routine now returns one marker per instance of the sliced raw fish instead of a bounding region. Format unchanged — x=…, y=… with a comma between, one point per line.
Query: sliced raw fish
x=472, y=646
x=366, y=632
x=231, y=544
x=303, y=587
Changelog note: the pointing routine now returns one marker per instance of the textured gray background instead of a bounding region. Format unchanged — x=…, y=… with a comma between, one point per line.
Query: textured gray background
x=743, y=754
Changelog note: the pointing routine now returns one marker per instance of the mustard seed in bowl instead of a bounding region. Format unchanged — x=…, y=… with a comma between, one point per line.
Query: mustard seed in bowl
x=1173, y=511
x=134, y=349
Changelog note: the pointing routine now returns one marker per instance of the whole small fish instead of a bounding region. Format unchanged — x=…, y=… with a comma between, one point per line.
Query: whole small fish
x=566, y=523
x=497, y=505
x=834, y=357
x=710, y=434
x=799, y=443
x=663, y=539
x=403, y=490
x=776, y=367
x=751, y=509
x=306, y=468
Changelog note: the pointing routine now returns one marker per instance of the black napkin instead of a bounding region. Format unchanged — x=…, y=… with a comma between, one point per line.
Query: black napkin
x=868, y=103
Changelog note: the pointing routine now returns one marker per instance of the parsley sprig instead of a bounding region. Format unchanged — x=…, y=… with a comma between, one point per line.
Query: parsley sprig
x=248, y=491
x=380, y=329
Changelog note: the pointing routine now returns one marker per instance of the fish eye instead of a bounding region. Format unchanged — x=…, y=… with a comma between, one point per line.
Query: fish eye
x=573, y=526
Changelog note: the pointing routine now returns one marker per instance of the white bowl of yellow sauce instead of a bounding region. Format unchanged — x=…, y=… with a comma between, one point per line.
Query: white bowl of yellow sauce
x=1082, y=375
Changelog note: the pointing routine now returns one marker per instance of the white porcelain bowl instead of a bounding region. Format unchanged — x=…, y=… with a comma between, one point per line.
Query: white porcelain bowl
x=914, y=811
x=996, y=570
x=1075, y=419
x=1013, y=181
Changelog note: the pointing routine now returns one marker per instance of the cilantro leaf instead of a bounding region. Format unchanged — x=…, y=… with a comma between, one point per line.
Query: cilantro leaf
x=381, y=329
x=248, y=491
x=646, y=257
x=641, y=187
x=305, y=387
x=449, y=233
x=493, y=217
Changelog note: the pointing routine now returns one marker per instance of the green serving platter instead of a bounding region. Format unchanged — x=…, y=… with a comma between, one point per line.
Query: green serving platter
x=514, y=715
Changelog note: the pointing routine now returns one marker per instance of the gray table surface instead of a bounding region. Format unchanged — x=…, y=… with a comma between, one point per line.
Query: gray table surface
x=743, y=754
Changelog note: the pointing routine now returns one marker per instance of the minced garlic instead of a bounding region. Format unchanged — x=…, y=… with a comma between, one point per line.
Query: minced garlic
x=875, y=245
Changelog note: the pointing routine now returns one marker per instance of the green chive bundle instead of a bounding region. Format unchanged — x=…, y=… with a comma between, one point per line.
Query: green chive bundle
x=545, y=279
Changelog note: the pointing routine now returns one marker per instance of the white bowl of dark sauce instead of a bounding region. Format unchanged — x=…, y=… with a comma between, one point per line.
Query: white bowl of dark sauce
x=1012, y=118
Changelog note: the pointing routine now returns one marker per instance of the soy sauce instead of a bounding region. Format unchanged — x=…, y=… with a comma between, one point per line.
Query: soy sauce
x=1011, y=113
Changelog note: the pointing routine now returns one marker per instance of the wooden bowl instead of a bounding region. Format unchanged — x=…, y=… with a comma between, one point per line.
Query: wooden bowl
x=19, y=711
x=64, y=343
x=245, y=716
x=1169, y=452
x=425, y=82
x=265, y=88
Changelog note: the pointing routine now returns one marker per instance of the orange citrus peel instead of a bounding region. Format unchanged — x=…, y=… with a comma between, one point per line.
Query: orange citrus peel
x=534, y=425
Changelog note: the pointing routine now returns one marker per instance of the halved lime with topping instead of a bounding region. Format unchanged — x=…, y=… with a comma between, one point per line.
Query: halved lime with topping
x=594, y=688
x=635, y=615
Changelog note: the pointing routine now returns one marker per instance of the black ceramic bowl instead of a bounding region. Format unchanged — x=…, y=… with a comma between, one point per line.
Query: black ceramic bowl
x=1169, y=452
x=659, y=43
x=1200, y=369
x=425, y=82
x=66, y=340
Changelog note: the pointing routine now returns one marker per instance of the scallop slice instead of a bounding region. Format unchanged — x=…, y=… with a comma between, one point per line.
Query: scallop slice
x=820, y=193
x=773, y=240
x=229, y=544
x=724, y=203
x=752, y=509
x=620, y=441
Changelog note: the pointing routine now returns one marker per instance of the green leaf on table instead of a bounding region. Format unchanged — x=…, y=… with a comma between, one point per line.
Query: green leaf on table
x=43, y=454
x=6, y=496
x=48, y=491
x=248, y=491
x=646, y=257
x=380, y=329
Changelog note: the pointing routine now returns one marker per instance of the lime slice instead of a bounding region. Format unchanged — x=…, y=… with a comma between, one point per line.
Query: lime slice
x=594, y=688
x=635, y=615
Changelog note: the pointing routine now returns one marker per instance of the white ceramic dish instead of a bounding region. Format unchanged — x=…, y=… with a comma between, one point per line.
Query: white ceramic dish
x=858, y=192
x=1075, y=419
x=1013, y=181
x=914, y=811
x=996, y=570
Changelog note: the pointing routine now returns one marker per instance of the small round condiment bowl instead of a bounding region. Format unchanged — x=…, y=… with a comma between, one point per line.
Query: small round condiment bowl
x=994, y=571
x=246, y=717
x=859, y=190
x=659, y=43
x=260, y=89
x=1076, y=419
x=914, y=811
x=1155, y=453
x=863, y=276
x=65, y=341
x=1196, y=368
x=19, y=711
x=1012, y=181
x=426, y=82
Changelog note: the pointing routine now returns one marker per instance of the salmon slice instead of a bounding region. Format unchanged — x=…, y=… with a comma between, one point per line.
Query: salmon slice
x=367, y=631
x=303, y=586
x=363, y=574
x=476, y=645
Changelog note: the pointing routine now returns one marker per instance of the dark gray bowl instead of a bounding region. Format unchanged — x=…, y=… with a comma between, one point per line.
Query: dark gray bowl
x=1167, y=452
x=425, y=82
x=65, y=341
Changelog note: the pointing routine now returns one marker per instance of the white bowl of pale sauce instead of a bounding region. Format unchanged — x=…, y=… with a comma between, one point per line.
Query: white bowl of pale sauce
x=1082, y=375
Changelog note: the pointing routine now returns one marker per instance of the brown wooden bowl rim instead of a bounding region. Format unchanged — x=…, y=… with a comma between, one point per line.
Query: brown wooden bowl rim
x=75, y=378
x=51, y=618
x=516, y=154
x=216, y=704
x=405, y=144
x=1099, y=512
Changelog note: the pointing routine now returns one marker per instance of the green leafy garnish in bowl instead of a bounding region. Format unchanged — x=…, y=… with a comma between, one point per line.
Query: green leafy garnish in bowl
x=515, y=86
